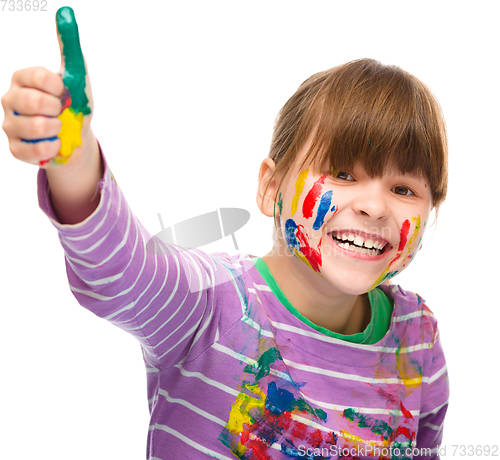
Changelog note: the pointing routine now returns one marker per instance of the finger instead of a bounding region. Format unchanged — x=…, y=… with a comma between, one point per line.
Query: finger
x=39, y=78
x=74, y=72
x=40, y=153
x=32, y=128
x=29, y=101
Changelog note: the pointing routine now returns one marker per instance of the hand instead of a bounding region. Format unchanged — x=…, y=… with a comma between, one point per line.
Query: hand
x=47, y=117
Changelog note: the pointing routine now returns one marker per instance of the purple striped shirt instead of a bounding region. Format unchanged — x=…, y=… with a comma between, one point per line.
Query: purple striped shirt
x=232, y=373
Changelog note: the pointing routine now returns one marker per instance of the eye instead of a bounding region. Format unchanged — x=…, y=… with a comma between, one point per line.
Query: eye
x=402, y=190
x=343, y=176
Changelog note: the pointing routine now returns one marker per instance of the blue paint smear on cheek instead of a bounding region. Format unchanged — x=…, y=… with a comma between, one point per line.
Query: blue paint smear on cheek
x=324, y=206
x=291, y=238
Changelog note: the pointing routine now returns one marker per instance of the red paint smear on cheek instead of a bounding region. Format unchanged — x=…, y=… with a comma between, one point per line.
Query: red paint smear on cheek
x=312, y=255
x=404, y=235
x=312, y=197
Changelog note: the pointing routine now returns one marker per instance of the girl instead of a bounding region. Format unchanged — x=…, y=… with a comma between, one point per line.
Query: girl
x=307, y=352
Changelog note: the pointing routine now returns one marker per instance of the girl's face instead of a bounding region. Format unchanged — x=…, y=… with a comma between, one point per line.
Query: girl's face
x=350, y=229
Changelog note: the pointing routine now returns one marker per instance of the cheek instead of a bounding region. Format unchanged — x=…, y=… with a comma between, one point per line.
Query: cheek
x=310, y=204
x=410, y=238
x=308, y=209
x=413, y=242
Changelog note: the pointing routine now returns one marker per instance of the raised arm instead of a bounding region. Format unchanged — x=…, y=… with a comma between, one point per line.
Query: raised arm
x=164, y=299
x=47, y=121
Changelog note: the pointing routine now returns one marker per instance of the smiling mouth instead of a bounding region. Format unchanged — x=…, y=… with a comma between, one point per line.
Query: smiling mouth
x=361, y=245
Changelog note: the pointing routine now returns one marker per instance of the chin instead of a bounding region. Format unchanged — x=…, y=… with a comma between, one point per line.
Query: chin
x=350, y=279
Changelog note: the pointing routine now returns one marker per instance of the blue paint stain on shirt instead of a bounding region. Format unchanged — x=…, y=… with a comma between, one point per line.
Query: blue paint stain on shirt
x=279, y=400
x=324, y=206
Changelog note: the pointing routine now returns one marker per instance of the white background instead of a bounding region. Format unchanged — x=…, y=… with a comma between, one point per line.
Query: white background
x=185, y=98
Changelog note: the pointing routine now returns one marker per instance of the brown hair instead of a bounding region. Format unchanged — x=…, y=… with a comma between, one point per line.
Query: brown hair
x=365, y=113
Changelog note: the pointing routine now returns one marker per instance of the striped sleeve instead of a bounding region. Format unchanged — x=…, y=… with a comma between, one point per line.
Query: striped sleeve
x=162, y=300
x=434, y=406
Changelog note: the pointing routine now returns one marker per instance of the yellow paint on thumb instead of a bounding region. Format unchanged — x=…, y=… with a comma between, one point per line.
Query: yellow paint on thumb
x=70, y=134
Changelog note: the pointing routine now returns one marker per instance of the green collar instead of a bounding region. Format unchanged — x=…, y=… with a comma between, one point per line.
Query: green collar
x=381, y=309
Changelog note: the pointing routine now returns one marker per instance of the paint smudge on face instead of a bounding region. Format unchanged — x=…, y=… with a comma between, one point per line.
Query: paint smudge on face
x=280, y=204
x=299, y=187
x=298, y=242
x=411, y=241
x=405, y=228
x=418, y=223
x=312, y=197
x=403, y=237
x=262, y=421
x=324, y=207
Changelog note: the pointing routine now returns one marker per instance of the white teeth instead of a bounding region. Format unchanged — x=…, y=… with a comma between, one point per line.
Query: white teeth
x=358, y=240
x=356, y=243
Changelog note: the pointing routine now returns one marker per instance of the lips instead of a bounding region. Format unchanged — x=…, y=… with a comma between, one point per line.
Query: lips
x=359, y=242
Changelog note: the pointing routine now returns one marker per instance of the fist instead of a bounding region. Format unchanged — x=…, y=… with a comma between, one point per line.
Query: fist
x=47, y=115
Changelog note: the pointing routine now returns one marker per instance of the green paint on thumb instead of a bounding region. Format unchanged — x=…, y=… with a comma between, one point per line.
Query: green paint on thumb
x=74, y=65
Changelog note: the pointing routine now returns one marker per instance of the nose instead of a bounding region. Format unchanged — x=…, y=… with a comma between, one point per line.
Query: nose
x=371, y=203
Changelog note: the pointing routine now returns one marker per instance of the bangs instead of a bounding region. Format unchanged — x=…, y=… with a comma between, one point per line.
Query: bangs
x=374, y=116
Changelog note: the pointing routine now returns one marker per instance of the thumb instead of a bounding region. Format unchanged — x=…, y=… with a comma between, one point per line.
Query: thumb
x=72, y=62
x=75, y=102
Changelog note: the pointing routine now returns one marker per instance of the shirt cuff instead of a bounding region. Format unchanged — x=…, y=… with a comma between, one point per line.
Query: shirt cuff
x=103, y=186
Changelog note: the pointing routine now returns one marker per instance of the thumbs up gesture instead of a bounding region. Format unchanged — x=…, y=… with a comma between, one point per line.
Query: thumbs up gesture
x=47, y=115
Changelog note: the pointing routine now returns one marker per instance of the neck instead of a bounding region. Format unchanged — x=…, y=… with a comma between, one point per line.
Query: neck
x=325, y=306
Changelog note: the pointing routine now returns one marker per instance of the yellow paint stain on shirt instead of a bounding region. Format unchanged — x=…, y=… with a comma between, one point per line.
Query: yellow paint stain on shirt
x=410, y=376
x=245, y=411
x=70, y=134
x=358, y=441
x=299, y=188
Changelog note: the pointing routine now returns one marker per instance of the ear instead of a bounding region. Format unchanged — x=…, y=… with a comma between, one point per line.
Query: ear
x=265, y=198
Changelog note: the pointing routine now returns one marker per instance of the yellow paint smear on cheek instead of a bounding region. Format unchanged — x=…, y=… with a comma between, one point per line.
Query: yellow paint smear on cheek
x=70, y=134
x=301, y=257
x=299, y=188
x=418, y=223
